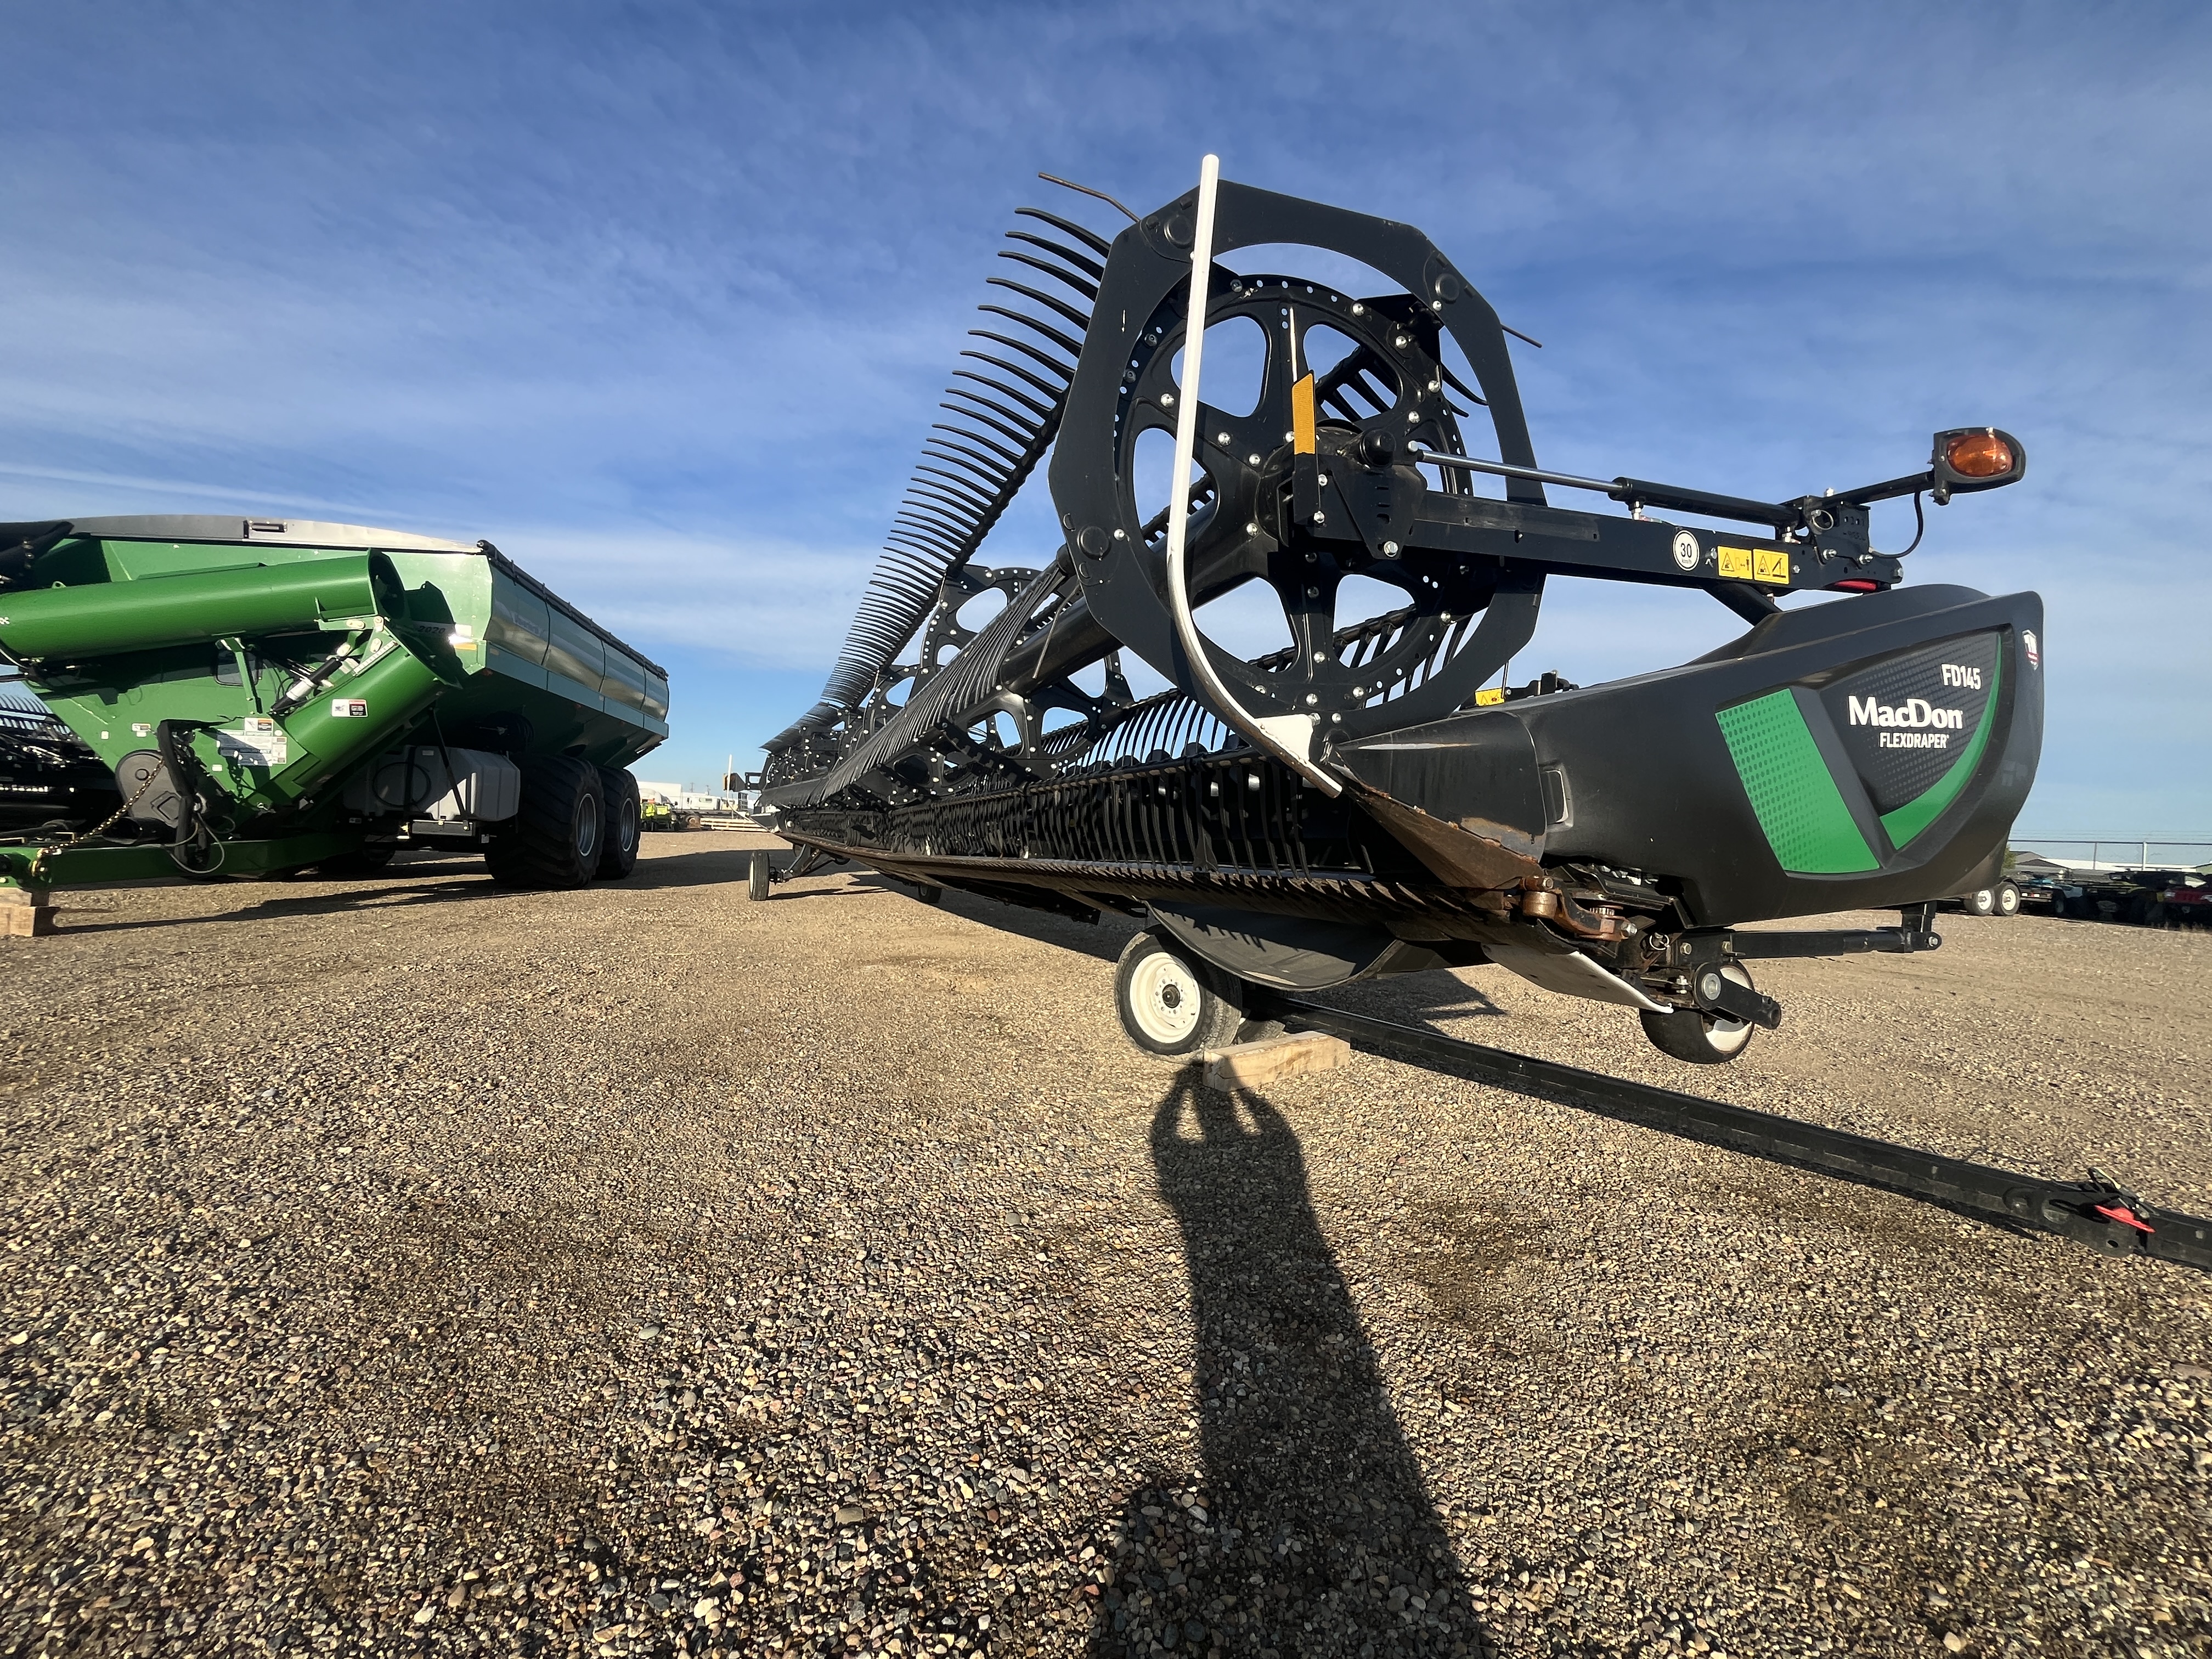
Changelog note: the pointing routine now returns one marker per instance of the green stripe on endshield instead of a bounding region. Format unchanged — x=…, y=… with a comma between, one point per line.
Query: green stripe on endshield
x=1916, y=814
x=1791, y=789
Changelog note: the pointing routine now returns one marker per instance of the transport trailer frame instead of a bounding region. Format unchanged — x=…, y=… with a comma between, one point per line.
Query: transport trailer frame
x=2097, y=1211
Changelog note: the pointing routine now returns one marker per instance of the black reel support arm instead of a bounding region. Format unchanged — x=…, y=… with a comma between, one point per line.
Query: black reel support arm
x=1811, y=513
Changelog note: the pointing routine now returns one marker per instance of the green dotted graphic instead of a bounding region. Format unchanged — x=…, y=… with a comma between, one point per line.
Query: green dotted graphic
x=1791, y=789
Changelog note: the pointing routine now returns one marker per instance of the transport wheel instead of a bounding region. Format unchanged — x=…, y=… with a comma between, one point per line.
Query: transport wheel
x=1698, y=1038
x=555, y=840
x=618, y=857
x=2008, y=899
x=1167, y=1005
x=1982, y=902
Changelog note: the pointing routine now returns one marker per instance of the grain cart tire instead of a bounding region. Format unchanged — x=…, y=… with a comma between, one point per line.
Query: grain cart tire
x=624, y=817
x=555, y=840
x=1168, y=1005
x=2008, y=899
x=1700, y=1039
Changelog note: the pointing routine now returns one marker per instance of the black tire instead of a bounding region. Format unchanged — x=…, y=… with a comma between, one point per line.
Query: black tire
x=1700, y=1039
x=625, y=815
x=1168, y=1004
x=556, y=838
x=362, y=862
x=1982, y=902
x=2008, y=899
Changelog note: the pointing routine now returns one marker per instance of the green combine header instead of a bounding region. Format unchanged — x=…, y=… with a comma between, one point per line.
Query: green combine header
x=244, y=696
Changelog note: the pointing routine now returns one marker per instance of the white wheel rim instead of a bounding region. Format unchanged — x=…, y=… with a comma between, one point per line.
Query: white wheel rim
x=1727, y=1035
x=1164, y=998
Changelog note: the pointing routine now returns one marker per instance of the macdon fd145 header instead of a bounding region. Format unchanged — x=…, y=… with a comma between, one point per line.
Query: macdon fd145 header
x=1367, y=801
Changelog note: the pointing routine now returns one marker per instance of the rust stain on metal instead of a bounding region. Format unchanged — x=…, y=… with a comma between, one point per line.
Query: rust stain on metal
x=1456, y=856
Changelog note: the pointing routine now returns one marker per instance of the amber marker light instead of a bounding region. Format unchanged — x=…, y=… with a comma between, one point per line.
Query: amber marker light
x=1978, y=455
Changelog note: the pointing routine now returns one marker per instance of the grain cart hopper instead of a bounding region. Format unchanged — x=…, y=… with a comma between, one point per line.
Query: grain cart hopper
x=1371, y=798
x=253, y=696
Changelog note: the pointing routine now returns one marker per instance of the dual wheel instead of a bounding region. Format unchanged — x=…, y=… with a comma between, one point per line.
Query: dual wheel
x=577, y=824
x=2001, y=900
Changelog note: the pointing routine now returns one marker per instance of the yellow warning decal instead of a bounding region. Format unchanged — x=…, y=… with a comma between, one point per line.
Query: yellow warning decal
x=1736, y=563
x=1489, y=696
x=1302, y=416
x=1771, y=567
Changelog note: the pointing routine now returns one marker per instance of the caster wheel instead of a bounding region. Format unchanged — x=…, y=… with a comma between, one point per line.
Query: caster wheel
x=1701, y=1039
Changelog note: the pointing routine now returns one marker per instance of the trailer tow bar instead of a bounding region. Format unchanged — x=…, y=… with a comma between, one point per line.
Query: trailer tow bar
x=2097, y=1211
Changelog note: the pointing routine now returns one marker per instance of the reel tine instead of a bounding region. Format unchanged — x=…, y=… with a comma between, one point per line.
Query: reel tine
x=943, y=523
x=966, y=476
x=1066, y=371
x=1041, y=412
x=1073, y=348
x=1016, y=432
x=966, y=489
x=1088, y=290
x=916, y=567
x=923, y=562
x=1458, y=385
x=918, y=560
x=1080, y=319
x=1092, y=240
x=927, y=529
x=1007, y=455
x=962, y=510
x=967, y=500
x=1023, y=427
x=1076, y=262
x=940, y=558
x=964, y=458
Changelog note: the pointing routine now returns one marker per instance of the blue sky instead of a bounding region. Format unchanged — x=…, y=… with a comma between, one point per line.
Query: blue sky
x=661, y=298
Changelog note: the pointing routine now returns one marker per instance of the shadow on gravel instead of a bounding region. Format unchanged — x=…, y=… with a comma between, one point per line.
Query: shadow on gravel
x=431, y=881
x=1312, y=1532
x=1416, y=999
x=370, y=894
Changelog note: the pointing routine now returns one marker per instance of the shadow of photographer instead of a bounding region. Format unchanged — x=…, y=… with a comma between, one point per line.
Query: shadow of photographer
x=1312, y=1531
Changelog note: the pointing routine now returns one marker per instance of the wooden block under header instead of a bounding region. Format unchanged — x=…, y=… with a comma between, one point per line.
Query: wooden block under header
x=24, y=916
x=1253, y=1065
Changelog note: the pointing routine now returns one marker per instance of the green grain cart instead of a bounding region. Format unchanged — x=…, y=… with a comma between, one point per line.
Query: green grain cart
x=270, y=696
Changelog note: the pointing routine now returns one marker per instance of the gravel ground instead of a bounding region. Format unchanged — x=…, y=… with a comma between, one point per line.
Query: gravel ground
x=411, y=1266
